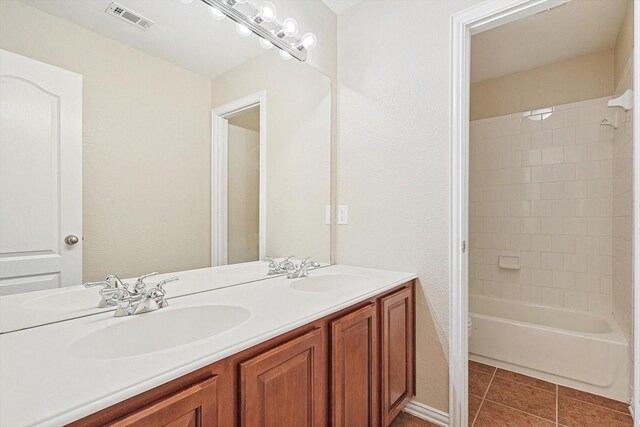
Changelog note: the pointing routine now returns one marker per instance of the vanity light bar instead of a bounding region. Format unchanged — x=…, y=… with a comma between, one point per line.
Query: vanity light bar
x=270, y=31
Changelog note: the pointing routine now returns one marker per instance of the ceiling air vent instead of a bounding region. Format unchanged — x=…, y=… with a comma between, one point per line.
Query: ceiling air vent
x=129, y=16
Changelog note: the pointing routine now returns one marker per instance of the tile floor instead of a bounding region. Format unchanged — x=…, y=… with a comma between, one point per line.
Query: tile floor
x=500, y=398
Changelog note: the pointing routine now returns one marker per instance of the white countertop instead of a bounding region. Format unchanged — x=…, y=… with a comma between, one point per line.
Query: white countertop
x=42, y=384
x=31, y=309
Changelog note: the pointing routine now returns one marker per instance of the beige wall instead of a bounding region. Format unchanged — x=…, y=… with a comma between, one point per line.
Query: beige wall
x=577, y=79
x=393, y=159
x=542, y=189
x=298, y=149
x=146, y=146
x=243, y=185
x=623, y=48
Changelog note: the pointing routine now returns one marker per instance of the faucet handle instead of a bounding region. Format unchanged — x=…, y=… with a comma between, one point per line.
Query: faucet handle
x=161, y=284
x=140, y=285
x=105, y=284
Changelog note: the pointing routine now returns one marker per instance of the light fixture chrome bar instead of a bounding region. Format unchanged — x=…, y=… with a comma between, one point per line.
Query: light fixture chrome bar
x=294, y=49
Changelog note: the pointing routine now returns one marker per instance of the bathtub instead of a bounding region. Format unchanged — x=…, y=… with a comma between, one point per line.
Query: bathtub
x=577, y=349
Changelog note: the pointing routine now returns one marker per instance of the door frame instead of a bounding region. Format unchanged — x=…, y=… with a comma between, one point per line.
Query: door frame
x=483, y=17
x=219, y=160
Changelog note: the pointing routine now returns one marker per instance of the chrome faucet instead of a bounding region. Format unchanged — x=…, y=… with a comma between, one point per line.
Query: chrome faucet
x=108, y=291
x=302, y=269
x=281, y=267
x=131, y=299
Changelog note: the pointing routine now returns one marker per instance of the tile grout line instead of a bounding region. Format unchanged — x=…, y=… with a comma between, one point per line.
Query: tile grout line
x=594, y=404
x=557, y=391
x=557, y=406
x=597, y=406
x=484, y=397
x=521, y=411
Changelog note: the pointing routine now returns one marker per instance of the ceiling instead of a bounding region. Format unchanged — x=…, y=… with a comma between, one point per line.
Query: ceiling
x=339, y=6
x=183, y=34
x=574, y=29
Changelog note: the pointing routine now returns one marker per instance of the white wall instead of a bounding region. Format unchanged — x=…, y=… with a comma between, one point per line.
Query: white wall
x=542, y=190
x=393, y=159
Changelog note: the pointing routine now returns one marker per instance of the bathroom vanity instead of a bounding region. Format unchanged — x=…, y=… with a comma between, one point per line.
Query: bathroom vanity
x=334, y=348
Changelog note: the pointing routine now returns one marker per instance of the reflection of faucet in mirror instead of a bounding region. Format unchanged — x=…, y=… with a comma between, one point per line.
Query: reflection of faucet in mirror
x=279, y=267
x=302, y=269
x=116, y=292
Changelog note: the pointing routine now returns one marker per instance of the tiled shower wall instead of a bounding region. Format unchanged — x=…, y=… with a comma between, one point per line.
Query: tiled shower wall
x=542, y=189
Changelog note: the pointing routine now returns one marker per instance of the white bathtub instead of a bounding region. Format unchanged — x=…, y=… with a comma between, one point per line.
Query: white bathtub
x=577, y=349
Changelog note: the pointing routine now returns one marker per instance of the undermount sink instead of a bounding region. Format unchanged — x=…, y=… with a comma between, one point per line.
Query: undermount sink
x=160, y=330
x=330, y=283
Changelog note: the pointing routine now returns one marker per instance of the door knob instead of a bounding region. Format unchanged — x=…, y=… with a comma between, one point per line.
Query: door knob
x=71, y=240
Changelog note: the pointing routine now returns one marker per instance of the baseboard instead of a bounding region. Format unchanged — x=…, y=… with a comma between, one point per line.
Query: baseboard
x=428, y=413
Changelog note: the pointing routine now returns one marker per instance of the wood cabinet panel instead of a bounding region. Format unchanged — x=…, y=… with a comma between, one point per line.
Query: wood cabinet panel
x=283, y=386
x=354, y=369
x=194, y=406
x=397, y=352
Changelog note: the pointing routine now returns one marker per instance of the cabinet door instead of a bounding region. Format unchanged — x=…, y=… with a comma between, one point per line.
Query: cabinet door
x=194, y=406
x=354, y=369
x=283, y=386
x=397, y=356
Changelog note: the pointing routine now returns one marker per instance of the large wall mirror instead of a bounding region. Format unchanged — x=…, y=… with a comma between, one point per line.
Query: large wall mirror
x=126, y=150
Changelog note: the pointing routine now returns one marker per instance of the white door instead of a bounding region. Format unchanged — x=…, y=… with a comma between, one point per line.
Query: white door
x=40, y=175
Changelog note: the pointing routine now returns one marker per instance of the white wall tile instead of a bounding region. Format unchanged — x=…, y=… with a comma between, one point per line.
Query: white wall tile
x=552, y=155
x=564, y=136
x=531, y=157
x=548, y=190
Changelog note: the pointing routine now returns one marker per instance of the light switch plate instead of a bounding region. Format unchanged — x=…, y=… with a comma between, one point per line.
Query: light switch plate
x=343, y=214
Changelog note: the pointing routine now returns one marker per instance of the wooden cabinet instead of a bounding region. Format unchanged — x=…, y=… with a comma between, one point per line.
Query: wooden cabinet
x=195, y=406
x=282, y=387
x=397, y=364
x=354, y=369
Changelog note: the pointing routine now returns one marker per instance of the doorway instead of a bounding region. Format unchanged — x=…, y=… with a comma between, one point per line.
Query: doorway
x=470, y=22
x=239, y=181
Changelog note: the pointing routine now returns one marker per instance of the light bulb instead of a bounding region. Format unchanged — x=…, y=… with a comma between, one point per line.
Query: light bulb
x=309, y=41
x=285, y=55
x=268, y=11
x=215, y=13
x=290, y=27
x=265, y=43
x=186, y=1
x=242, y=30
